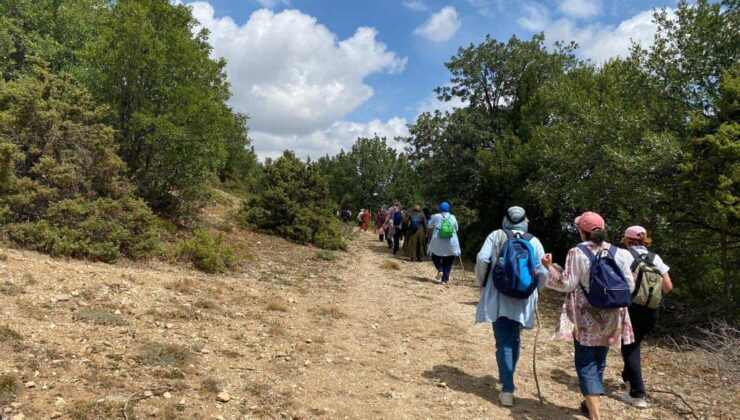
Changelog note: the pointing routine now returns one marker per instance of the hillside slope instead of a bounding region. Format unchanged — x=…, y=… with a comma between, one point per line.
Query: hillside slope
x=292, y=335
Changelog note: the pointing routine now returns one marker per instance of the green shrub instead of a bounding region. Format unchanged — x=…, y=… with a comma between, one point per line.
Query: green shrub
x=100, y=316
x=63, y=188
x=294, y=203
x=7, y=333
x=207, y=253
x=9, y=387
x=326, y=255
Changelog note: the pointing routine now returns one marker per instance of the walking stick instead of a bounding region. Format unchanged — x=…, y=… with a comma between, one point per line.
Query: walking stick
x=534, y=355
x=462, y=267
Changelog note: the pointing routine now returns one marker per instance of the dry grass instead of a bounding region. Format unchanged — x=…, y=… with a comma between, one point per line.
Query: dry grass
x=9, y=388
x=94, y=410
x=277, y=305
x=211, y=385
x=390, y=265
x=184, y=286
x=330, y=312
x=9, y=288
x=164, y=354
x=99, y=316
x=7, y=333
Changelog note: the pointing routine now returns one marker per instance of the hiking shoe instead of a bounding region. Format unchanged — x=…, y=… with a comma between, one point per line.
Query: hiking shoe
x=634, y=402
x=506, y=398
x=438, y=276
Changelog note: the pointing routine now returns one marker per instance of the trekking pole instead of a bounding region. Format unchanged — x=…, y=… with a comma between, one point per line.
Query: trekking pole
x=534, y=355
x=462, y=267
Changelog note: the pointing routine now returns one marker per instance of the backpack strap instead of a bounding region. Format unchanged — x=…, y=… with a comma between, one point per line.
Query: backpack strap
x=613, y=251
x=636, y=255
x=509, y=234
x=586, y=250
x=651, y=257
x=527, y=236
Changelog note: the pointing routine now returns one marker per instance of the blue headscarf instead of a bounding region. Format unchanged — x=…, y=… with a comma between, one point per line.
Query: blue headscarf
x=444, y=207
x=515, y=219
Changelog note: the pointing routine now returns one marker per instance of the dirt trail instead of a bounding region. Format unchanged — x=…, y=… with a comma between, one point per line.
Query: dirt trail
x=296, y=333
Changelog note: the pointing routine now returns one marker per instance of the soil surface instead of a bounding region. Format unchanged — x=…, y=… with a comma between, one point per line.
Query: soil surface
x=296, y=333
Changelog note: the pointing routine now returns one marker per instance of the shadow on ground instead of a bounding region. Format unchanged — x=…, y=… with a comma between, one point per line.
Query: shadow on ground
x=485, y=387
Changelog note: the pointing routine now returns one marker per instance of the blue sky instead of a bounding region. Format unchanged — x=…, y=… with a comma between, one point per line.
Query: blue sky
x=315, y=74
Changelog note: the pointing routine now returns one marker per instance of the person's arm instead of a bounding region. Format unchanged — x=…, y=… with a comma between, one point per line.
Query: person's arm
x=432, y=222
x=539, y=268
x=667, y=283
x=566, y=280
x=483, y=261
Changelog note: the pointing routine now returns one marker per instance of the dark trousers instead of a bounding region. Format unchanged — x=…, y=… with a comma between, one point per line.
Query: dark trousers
x=396, y=241
x=443, y=265
x=643, y=321
x=381, y=236
x=590, y=365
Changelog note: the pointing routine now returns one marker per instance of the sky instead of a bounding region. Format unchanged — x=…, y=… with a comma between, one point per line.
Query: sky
x=313, y=75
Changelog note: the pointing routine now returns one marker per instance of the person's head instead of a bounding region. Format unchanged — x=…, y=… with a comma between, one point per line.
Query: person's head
x=445, y=207
x=426, y=211
x=591, y=227
x=417, y=208
x=515, y=219
x=636, y=236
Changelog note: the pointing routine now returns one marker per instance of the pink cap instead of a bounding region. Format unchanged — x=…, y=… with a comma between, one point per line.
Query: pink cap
x=589, y=221
x=635, y=232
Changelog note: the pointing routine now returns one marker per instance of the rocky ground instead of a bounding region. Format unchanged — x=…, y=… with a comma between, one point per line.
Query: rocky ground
x=295, y=333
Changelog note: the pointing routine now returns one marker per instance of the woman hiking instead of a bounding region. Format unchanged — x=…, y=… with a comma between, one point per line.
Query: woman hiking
x=367, y=216
x=380, y=223
x=508, y=314
x=652, y=282
x=592, y=329
x=414, y=246
x=444, y=245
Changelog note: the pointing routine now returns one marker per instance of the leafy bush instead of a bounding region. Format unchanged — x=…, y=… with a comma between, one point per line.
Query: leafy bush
x=205, y=252
x=63, y=188
x=164, y=354
x=294, y=203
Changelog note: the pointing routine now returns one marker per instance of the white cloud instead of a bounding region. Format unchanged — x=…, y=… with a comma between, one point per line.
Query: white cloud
x=290, y=73
x=432, y=103
x=597, y=41
x=340, y=135
x=441, y=26
x=415, y=5
x=536, y=17
x=488, y=7
x=580, y=9
x=272, y=3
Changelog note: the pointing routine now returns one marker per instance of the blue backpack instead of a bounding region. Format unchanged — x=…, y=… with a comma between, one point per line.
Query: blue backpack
x=397, y=218
x=417, y=221
x=607, y=287
x=514, y=272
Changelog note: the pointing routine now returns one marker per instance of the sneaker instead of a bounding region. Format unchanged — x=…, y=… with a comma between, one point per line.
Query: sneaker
x=634, y=402
x=506, y=398
x=439, y=275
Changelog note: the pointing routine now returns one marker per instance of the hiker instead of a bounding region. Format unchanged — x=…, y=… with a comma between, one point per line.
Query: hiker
x=594, y=315
x=359, y=217
x=346, y=215
x=652, y=281
x=395, y=225
x=414, y=246
x=380, y=223
x=444, y=245
x=509, y=301
x=367, y=216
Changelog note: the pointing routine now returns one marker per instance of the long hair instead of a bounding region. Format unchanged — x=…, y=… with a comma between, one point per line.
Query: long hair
x=644, y=240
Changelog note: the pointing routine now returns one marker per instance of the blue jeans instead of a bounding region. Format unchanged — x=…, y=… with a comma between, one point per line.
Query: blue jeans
x=590, y=366
x=507, y=335
x=443, y=265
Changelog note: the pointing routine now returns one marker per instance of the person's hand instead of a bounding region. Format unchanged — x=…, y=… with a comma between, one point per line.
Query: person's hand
x=547, y=260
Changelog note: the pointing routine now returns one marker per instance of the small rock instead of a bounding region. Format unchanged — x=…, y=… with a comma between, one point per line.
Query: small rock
x=63, y=297
x=167, y=395
x=118, y=312
x=16, y=405
x=148, y=394
x=307, y=363
x=182, y=402
x=169, y=326
x=7, y=410
x=55, y=415
x=223, y=397
x=75, y=293
x=219, y=418
x=442, y=385
x=60, y=402
x=309, y=341
x=18, y=416
x=30, y=385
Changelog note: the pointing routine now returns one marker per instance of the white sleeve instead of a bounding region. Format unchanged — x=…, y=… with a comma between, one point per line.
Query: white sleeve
x=483, y=261
x=660, y=264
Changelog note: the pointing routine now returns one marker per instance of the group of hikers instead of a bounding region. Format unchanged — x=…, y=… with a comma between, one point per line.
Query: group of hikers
x=612, y=294
x=421, y=232
x=612, y=299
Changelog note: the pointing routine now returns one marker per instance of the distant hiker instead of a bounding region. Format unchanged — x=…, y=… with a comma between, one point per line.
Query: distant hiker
x=346, y=215
x=444, y=245
x=509, y=290
x=598, y=281
x=652, y=281
x=380, y=223
x=395, y=225
x=414, y=247
x=367, y=216
x=359, y=217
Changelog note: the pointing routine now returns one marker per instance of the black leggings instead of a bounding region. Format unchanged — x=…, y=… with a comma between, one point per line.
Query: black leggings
x=643, y=320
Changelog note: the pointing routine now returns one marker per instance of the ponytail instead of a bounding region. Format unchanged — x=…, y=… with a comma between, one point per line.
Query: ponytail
x=597, y=236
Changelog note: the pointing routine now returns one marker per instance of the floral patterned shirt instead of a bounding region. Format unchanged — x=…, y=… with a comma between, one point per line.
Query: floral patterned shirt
x=592, y=327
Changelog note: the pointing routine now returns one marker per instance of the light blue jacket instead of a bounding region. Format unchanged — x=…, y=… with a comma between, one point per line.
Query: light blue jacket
x=493, y=304
x=440, y=246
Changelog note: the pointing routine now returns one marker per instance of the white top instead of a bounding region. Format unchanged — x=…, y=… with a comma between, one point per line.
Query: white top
x=440, y=246
x=657, y=261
